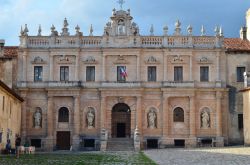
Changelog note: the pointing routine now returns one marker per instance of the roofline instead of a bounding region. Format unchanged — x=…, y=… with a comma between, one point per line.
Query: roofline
x=12, y=92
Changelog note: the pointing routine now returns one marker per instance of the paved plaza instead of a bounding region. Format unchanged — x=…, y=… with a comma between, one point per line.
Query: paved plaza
x=201, y=156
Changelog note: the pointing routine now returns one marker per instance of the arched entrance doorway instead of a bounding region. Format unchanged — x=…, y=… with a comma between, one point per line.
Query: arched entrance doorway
x=121, y=121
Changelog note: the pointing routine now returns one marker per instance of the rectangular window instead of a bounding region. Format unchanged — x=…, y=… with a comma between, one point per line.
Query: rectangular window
x=152, y=73
x=178, y=73
x=240, y=121
x=240, y=72
x=38, y=73
x=90, y=73
x=121, y=73
x=204, y=73
x=64, y=73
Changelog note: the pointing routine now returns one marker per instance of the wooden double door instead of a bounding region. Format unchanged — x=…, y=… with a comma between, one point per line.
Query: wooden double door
x=63, y=140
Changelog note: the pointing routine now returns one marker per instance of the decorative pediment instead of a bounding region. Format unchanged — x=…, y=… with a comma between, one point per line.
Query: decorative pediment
x=121, y=60
x=38, y=60
x=65, y=59
x=204, y=60
x=177, y=59
x=152, y=60
x=90, y=60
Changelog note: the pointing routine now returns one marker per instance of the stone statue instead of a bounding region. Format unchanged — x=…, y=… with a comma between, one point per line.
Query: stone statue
x=37, y=118
x=205, y=120
x=151, y=119
x=90, y=118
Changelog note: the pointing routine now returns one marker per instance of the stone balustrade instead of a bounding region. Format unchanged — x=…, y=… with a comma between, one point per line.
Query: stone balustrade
x=114, y=84
x=99, y=42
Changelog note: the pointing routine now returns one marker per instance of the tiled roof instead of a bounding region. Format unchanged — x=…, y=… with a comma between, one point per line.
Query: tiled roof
x=10, y=51
x=236, y=45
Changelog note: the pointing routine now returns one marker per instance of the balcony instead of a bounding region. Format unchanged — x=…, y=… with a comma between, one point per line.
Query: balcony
x=180, y=84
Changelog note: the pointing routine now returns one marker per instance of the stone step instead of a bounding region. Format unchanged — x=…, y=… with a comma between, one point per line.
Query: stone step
x=120, y=144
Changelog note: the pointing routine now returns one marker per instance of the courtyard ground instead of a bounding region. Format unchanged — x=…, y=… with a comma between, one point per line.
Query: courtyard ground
x=201, y=156
x=79, y=158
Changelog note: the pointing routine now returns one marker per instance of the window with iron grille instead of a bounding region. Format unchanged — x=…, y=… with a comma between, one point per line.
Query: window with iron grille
x=240, y=72
x=63, y=115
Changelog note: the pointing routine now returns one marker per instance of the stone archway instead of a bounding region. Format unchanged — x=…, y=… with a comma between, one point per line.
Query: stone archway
x=121, y=121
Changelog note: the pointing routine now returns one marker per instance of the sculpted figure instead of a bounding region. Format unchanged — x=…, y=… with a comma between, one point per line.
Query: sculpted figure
x=37, y=118
x=90, y=118
x=205, y=120
x=151, y=119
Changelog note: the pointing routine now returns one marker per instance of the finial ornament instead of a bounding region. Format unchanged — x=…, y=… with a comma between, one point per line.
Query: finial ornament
x=152, y=30
x=190, y=30
x=91, y=30
x=165, y=30
x=21, y=31
x=177, y=28
x=221, y=32
x=26, y=30
x=203, y=31
x=217, y=31
x=121, y=2
x=39, y=31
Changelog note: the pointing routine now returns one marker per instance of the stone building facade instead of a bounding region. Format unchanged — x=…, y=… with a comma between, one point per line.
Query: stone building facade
x=83, y=91
x=10, y=115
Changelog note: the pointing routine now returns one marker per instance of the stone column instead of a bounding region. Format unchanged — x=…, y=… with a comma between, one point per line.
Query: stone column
x=24, y=66
x=192, y=117
x=165, y=67
x=138, y=114
x=24, y=114
x=50, y=130
x=192, y=123
x=51, y=68
x=103, y=113
x=218, y=65
x=103, y=68
x=191, y=69
x=138, y=65
x=76, y=123
x=218, y=114
x=165, y=117
x=77, y=68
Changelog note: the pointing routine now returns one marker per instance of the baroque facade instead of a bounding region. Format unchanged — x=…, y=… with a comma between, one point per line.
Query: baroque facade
x=83, y=91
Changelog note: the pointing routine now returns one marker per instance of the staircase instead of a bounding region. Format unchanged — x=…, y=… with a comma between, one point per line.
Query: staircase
x=120, y=144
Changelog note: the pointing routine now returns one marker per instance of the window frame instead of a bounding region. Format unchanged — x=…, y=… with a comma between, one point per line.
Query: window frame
x=152, y=73
x=64, y=73
x=38, y=73
x=90, y=73
x=204, y=73
x=63, y=115
x=176, y=115
x=178, y=76
x=240, y=76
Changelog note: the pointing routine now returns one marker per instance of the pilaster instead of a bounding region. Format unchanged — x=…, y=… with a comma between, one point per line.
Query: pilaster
x=49, y=141
x=76, y=122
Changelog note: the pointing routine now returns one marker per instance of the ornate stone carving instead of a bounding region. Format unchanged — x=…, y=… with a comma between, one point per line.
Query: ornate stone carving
x=90, y=60
x=121, y=60
x=204, y=60
x=177, y=59
x=66, y=59
x=38, y=60
x=152, y=119
x=152, y=60
x=90, y=116
x=205, y=119
x=37, y=117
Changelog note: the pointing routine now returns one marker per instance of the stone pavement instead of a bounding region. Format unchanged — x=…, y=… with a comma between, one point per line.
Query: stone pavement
x=201, y=156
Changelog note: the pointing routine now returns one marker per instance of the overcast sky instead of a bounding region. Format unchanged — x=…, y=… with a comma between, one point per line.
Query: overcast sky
x=230, y=14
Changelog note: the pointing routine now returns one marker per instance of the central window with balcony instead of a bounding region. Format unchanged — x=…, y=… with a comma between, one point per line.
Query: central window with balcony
x=90, y=73
x=121, y=73
x=38, y=73
x=64, y=73
x=152, y=73
x=178, y=73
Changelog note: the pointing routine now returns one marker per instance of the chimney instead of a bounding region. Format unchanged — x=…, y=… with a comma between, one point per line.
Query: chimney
x=2, y=42
x=243, y=33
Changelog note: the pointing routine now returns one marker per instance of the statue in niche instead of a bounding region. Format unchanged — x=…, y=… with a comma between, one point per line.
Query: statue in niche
x=151, y=119
x=90, y=118
x=205, y=119
x=37, y=118
x=121, y=27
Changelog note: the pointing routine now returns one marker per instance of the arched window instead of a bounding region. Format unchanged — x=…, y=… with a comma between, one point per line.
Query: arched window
x=178, y=115
x=63, y=115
